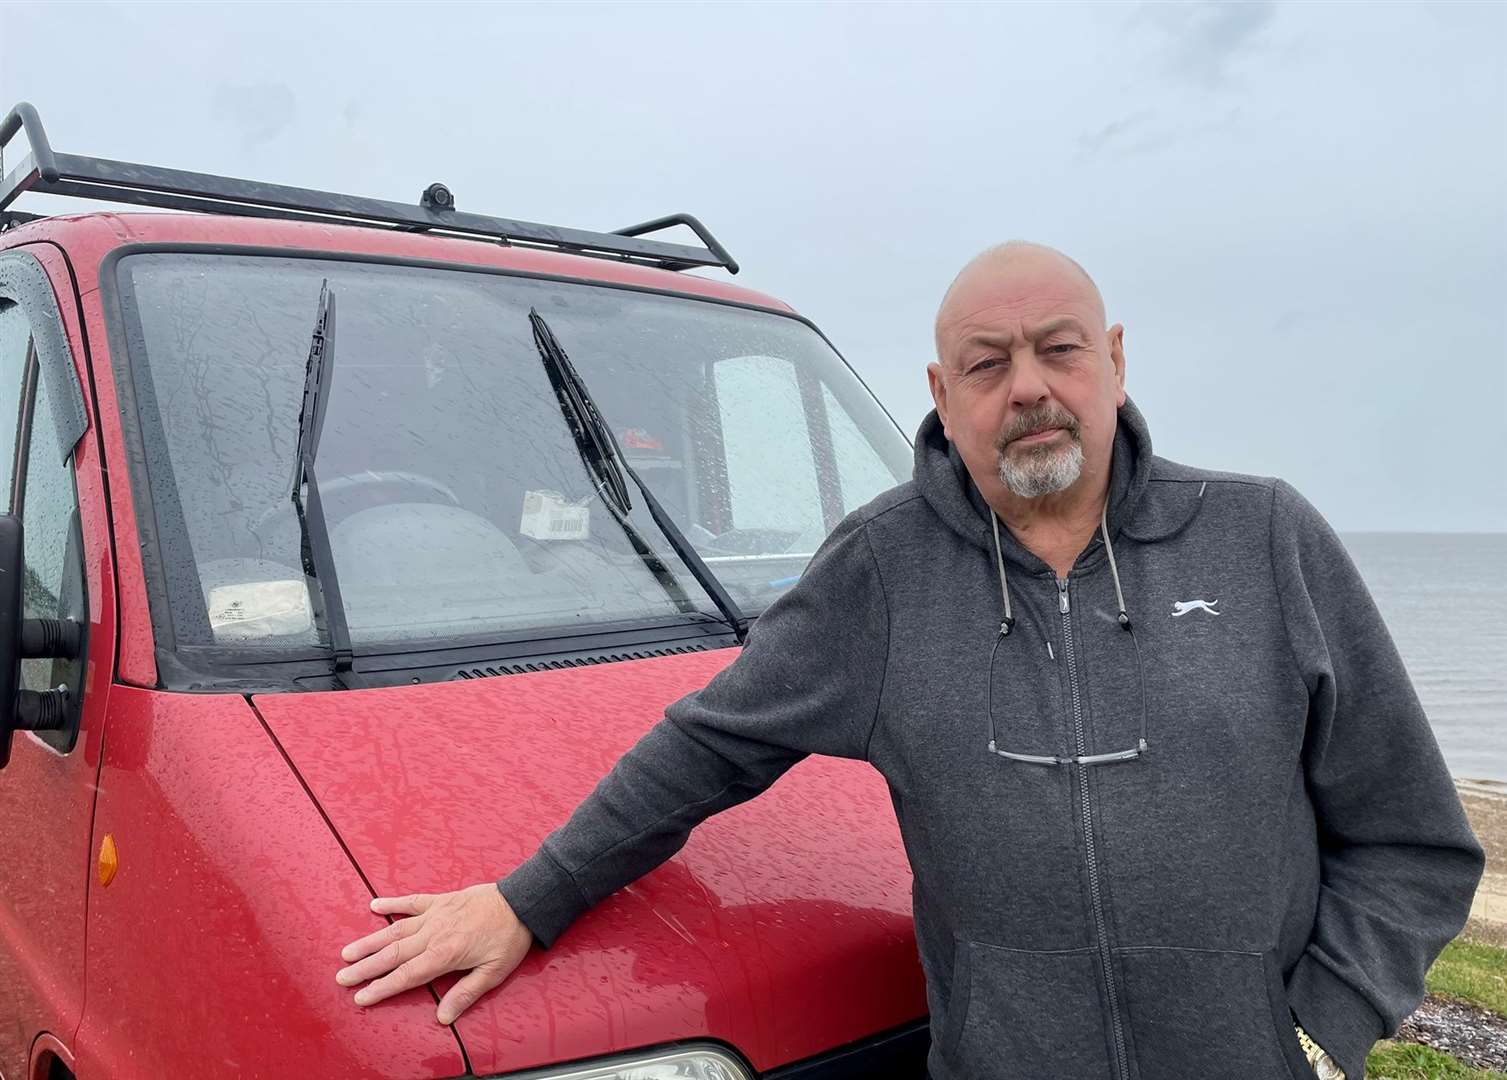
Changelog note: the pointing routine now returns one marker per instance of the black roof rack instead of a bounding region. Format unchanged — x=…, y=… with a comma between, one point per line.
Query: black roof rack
x=43, y=170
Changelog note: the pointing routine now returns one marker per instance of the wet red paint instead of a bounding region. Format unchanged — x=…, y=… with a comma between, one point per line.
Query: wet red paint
x=209, y=954
x=783, y=927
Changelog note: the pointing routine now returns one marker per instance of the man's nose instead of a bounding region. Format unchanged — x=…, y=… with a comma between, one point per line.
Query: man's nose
x=1028, y=386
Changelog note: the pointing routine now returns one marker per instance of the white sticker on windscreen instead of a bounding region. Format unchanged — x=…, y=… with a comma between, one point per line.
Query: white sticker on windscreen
x=255, y=609
x=547, y=515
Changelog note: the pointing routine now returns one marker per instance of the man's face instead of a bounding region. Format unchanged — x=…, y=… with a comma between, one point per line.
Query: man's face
x=1028, y=378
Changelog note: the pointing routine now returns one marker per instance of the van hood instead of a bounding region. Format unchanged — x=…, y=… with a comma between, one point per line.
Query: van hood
x=783, y=927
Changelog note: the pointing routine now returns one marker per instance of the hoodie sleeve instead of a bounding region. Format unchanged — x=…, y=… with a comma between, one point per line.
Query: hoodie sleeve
x=1398, y=861
x=807, y=681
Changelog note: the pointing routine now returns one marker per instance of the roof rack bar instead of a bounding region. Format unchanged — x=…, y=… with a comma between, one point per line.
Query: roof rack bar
x=181, y=202
x=22, y=177
x=46, y=172
x=671, y=256
x=146, y=185
x=695, y=225
x=24, y=115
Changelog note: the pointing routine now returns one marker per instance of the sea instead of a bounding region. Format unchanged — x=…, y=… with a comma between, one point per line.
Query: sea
x=1444, y=599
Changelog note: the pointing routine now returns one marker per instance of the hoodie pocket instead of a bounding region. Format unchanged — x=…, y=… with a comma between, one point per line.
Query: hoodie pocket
x=1214, y=1014
x=1282, y=1020
x=1025, y=1013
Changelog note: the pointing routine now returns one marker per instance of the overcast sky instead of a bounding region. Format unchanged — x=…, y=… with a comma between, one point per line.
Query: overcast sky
x=1299, y=212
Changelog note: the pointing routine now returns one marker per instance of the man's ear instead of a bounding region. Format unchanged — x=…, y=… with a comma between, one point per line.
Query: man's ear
x=936, y=379
x=1116, y=335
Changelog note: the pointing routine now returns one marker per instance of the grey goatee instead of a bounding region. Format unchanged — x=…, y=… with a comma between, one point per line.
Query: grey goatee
x=1032, y=471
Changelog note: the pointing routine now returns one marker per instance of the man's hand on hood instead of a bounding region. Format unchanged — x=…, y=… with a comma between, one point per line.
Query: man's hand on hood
x=473, y=930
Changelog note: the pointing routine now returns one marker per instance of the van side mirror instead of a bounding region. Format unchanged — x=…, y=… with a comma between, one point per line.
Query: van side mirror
x=22, y=638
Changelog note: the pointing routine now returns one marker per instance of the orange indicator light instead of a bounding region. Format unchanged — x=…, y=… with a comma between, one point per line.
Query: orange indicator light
x=109, y=862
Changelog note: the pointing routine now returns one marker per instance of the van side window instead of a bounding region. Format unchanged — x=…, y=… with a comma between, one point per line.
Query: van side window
x=785, y=437
x=860, y=468
x=15, y=346
x=48, y=507
x=771, y=471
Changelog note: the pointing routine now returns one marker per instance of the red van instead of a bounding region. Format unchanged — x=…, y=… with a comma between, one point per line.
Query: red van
x=349, y=544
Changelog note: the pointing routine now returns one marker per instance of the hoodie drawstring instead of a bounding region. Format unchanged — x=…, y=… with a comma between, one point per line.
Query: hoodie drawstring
x=1008, y=623
x=1114, y=571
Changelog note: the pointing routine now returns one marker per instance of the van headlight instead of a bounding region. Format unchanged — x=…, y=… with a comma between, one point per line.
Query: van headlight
x=704, y=1063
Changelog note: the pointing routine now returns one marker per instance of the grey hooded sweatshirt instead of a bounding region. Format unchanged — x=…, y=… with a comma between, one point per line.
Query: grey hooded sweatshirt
x=1289, y=842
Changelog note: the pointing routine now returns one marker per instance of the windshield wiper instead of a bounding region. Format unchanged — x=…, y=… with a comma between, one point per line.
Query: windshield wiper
x=599, y=449
x=586, y=429
x=593, y=437
x=318, y=557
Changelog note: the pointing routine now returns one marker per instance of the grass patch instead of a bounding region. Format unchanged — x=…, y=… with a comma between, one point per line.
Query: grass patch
x=1408, y=1061
x=1472, y=972
x=1466, y=970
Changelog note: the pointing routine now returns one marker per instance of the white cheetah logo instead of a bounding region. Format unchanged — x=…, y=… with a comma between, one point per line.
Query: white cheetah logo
x=1182, y=607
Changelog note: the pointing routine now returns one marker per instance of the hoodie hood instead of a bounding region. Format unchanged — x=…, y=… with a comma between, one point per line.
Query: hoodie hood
x=943, y=479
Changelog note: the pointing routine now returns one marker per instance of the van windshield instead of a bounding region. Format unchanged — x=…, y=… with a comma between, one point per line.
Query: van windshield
x=459, y=507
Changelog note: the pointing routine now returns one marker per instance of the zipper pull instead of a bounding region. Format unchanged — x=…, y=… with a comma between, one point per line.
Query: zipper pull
x=1062, y=595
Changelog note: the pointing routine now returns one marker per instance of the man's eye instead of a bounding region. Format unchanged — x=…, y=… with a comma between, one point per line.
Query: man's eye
x=984, y=365
x=1063, y=347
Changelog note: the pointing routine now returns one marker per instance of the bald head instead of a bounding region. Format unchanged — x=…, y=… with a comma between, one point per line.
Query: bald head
x=996, y=273
x=1028, y=379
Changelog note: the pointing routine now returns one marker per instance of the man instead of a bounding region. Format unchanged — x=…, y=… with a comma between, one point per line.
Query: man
x=1171, y=804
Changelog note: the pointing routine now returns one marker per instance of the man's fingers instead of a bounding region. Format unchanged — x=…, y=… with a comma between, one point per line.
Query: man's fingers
x=393, y=931
x=470, y=930
x=416, y=972
x=465, y=993
x=412, y=904
x=379, y=963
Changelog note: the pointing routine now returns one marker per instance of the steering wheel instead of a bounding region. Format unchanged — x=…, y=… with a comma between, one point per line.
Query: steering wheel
x=341, y=495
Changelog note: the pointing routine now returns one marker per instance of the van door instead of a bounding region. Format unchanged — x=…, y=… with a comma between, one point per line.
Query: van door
x=48, y=457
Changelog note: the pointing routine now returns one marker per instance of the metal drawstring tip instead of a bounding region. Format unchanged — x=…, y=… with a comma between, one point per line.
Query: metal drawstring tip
x=1006, y=626
x=991, y=746
x=1124, y=621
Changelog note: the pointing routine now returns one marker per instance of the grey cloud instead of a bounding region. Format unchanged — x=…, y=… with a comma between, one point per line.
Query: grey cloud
x=258, y=112
x=1114, y=133
x=1130, y=136
x=1146, y=133
x=1205, y=39
x=1293, y=319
